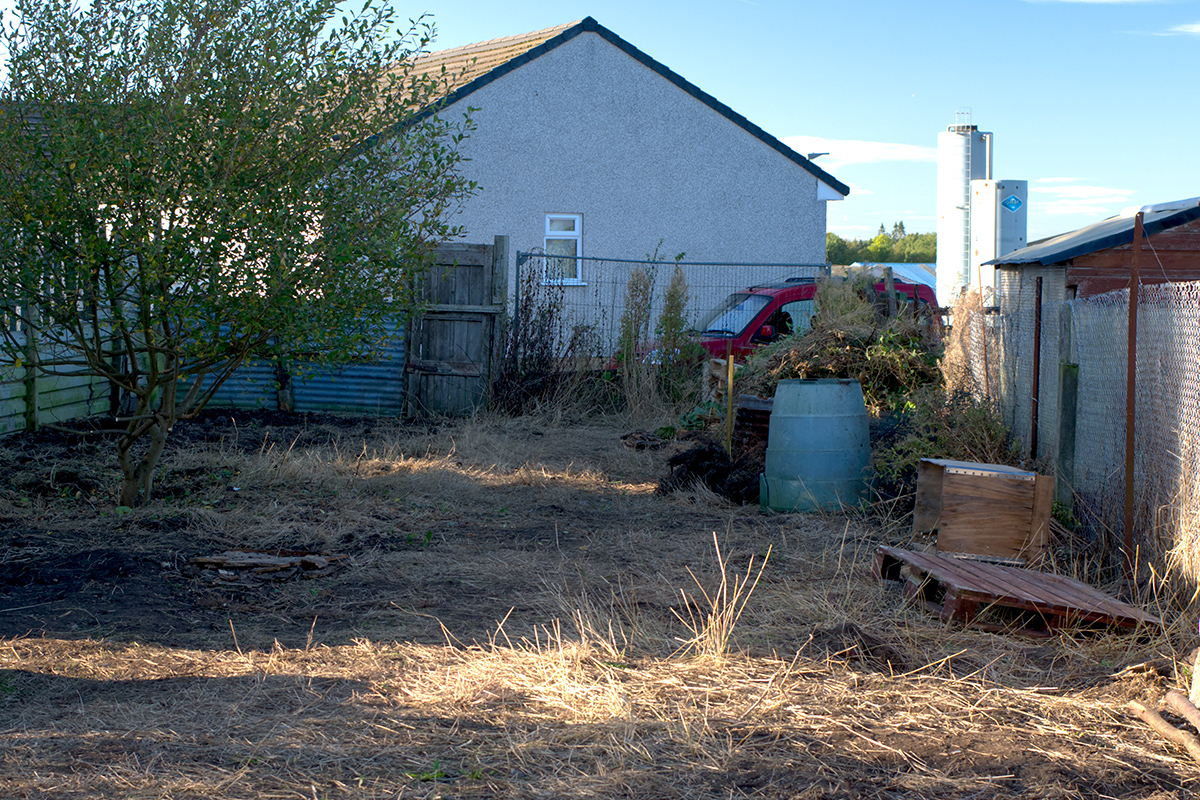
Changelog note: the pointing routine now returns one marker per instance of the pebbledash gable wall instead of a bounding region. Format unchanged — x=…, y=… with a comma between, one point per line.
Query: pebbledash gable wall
x=586, y=129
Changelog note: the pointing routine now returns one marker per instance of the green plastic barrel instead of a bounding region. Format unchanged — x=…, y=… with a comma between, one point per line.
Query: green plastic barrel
x=818, y=447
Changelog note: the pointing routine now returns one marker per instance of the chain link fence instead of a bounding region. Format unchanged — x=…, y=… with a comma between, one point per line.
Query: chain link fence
x=1059, y=379
x=1166, y=419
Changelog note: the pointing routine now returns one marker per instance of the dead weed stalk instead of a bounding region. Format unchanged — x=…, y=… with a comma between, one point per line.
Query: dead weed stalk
x=712, y=629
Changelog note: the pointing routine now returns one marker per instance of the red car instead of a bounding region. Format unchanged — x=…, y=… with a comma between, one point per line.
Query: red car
x=761, y=314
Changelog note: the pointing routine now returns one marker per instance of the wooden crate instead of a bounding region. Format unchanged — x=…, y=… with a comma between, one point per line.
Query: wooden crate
x=990, y=510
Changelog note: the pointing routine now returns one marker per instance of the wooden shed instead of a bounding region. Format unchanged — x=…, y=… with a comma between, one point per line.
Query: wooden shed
x=1096, y=259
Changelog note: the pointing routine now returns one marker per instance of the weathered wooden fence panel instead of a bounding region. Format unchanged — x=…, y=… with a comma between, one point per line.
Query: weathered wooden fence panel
x=54, y=398
x=452, y=345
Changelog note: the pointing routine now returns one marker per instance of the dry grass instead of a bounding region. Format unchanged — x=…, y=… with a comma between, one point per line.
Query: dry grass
x=563, y=633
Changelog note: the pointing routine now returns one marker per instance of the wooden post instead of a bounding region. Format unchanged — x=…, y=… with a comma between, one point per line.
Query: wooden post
x=285, y=395
x=889, y=286
x=499, y=297
x=1037, y=369
x=1064, y=473
x=32, y=364
x=729, y=396
x=1131, y=392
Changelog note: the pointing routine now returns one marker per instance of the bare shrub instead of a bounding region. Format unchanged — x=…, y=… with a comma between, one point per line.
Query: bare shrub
x=890, y=358
x=637, y=373
x=529, y=368
x=971, y=357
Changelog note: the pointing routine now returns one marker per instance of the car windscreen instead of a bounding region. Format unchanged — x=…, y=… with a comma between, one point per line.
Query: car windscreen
x=732, y=316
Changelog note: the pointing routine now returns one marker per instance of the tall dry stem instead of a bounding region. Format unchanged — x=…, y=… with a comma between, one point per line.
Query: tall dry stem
x=711, y=632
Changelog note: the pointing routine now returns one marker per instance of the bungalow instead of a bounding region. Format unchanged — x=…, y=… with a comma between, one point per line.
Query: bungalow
x=587, y=148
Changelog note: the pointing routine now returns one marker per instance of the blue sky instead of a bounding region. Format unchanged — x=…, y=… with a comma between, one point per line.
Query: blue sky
x=1094, y=102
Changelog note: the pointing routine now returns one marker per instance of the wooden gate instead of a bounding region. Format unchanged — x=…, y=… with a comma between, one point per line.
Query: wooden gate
x=453, y=344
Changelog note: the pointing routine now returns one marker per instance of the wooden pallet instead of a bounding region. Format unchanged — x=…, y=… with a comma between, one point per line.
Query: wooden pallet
x=995, y=597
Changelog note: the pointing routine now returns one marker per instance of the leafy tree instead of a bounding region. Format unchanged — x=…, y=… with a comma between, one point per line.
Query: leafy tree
x=190, y=183
x=897, y=246
x=880, y=248
x=840, y=251
x=917, y=248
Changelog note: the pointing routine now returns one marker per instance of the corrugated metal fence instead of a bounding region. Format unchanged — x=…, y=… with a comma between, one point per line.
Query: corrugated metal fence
x=365, y=387
x=60, y=398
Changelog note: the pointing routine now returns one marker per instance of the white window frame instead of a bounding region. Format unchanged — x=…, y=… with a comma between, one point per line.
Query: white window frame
x=575, y=235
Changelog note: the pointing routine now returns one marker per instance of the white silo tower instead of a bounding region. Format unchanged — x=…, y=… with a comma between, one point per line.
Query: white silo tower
x=964, y=154
x=999, y=224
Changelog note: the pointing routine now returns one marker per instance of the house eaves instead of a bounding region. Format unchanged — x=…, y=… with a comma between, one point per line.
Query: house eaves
x=1111, y=232
x=471, y=67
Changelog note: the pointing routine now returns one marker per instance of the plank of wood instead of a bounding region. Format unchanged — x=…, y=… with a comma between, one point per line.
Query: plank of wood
x=1083, y=592
x=1038, y=539
x=461, y=369
x=988, y=586
x=1052, y=593
x=1060, y=600
x=927, y=512
x=453, y=308
x=948, y=570
x=989, y=516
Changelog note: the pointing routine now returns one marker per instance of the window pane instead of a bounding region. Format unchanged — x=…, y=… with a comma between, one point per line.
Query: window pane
x=558, y=269
x=734, y=315
x=561, y=223
x=561, y=247
x=801, y=314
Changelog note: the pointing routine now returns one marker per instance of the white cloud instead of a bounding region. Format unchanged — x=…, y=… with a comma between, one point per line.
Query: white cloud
x=1191, y=29
x=1067, y=196
x=858, y=191
x=857, y=151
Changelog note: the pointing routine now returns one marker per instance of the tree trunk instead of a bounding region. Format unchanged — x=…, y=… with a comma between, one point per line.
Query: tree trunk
x=135, y=486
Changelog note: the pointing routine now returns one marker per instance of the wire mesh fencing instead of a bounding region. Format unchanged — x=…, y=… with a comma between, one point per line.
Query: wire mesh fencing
x=1166, y=416
x=1028, y=352
x=597, y=296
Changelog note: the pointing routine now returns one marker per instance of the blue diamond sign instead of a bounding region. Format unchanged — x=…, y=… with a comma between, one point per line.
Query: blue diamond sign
x=1012, y=203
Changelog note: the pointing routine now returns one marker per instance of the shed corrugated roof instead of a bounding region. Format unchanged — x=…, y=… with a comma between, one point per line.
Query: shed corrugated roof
x=471, y=67
x=1111, y=232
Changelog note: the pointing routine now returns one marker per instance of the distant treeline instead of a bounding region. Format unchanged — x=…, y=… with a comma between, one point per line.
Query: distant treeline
x=897, y=246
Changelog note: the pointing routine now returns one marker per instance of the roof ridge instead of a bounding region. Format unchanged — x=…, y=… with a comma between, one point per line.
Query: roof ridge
x=489, y=44
x=477, y=75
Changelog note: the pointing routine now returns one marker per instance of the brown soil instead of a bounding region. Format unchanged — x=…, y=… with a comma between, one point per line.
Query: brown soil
x=518, y=615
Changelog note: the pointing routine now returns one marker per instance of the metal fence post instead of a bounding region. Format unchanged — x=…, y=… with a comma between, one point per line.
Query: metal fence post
x=1131, y=393
x=516, y=290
